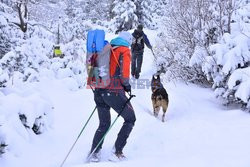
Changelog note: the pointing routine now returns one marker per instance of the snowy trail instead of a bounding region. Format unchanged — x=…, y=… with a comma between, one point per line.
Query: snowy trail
x=198, y=131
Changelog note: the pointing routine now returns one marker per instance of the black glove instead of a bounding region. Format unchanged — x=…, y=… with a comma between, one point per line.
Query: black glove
x=127, y=88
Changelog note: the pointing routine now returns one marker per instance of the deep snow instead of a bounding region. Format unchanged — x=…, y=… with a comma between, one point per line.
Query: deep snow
x=199, y=132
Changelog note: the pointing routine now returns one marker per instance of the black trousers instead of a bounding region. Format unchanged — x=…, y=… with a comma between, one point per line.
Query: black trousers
x=106, y=99
x=137, y=59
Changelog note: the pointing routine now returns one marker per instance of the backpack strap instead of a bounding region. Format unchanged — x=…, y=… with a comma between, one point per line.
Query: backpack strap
x=112, y=50
x=113, y=53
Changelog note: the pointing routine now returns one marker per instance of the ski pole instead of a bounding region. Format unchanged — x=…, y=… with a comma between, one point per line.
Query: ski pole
x=91, y=153
x=78, y=137
x=153, y=52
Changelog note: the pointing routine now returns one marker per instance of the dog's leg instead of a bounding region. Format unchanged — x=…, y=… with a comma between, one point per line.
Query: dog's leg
x=164, y=108
x=156, y=111
x=163, y=116
x=155, y=114
x=154, y=105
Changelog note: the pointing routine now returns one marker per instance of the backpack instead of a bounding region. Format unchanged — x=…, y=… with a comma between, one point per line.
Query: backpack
x=138, y=41
x=98, y=59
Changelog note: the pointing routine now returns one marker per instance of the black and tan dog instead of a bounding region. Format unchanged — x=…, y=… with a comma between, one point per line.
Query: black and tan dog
x=159, y=96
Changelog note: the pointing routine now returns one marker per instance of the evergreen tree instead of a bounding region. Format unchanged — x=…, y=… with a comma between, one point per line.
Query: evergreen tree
x=124, y=15
x=95, y=10
x=151, y=12
x=9, y=33
x=4, y=38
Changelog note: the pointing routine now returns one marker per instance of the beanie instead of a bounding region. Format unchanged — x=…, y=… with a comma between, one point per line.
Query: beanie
x=126, y=36
x=140, y=27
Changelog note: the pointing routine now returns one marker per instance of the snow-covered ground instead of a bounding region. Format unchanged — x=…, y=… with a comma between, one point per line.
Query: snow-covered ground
x=199, y=132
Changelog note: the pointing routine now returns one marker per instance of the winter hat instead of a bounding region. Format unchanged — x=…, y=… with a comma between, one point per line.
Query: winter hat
x=140, y=27
x=126, y=36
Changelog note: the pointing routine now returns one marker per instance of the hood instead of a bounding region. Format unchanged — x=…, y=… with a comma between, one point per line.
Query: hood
x=119, y=42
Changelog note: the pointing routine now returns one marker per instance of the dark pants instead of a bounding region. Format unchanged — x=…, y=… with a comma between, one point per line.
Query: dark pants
x=105, y=99
x=137, y=58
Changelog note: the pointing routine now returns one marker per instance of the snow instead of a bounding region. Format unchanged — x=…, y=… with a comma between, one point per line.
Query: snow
x=237, y=55
x=198, y=131
x=227, y=65
x=3, y=21
x=198, y=57
x=242, y=76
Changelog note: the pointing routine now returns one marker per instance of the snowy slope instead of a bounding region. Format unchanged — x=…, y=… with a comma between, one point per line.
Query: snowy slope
x=198, y=132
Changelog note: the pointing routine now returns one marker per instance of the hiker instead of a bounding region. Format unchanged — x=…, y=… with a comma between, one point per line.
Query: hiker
x=114, y=97
x=139, y=38
x=57, y=52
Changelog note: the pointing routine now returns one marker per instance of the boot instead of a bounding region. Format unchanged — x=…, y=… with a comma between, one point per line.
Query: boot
x=137, y=76
x=96, y=157
x=117, y=156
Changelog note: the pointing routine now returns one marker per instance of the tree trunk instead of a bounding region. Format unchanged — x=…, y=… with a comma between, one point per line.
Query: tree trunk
x=22, y=16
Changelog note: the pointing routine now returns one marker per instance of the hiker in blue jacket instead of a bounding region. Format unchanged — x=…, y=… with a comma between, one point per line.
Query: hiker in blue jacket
x=137, y=47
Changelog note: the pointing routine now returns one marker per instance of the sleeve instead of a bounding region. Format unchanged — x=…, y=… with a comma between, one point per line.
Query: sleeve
x=147, y=41
x=125, y=67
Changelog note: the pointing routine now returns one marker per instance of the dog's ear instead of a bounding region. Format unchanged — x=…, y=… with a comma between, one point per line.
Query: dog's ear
x=158, y=77
x=154, y=77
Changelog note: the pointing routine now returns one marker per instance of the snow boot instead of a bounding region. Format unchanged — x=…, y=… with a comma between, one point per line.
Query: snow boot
x=95, y=157
x=137, y=76
x=117, y=156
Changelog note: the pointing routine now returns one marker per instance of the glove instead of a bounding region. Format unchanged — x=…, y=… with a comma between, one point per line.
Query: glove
x=127, y=88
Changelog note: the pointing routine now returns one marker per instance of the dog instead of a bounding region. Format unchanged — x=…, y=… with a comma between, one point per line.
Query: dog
x=159, y=96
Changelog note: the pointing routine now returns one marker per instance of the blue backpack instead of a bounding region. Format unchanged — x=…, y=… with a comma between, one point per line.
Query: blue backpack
x=98, y=59
x=95, y=41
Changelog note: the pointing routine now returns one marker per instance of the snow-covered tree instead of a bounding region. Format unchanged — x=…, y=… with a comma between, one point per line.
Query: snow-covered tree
x=123, y=15
x=184, y=31
x=74, y=28
x=22, y=10
x=4, y=38
x=150, y=12
x=94, y=10
x=9, y=33
x=31, y=115
x=194, y=26
x=228, y=64
x=7, y=2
